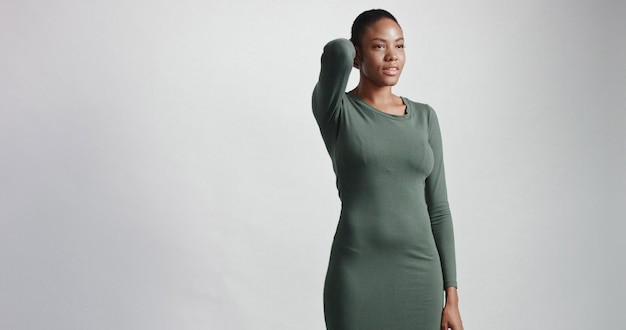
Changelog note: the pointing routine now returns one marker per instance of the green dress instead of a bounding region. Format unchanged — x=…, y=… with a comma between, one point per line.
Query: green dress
x=393, y=251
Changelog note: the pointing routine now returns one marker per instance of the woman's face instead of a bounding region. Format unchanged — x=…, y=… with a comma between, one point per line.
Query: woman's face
x=381, y=55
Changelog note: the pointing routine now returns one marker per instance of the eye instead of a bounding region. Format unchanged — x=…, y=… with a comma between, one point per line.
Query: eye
x=401, y=46
x=379, y=46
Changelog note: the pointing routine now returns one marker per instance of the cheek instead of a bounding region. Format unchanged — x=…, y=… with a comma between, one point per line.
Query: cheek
x=371, y=68
x=372, y=62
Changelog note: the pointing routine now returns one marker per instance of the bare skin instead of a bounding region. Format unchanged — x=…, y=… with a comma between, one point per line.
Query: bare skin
x=380, y=60
x=451, y=317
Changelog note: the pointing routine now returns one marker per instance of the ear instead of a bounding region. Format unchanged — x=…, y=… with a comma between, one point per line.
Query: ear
x=357, y=59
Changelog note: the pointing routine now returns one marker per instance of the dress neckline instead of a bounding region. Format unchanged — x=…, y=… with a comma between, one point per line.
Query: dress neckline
x=367, y=106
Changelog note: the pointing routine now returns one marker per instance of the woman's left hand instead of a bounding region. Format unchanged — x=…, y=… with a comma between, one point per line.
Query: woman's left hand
x=451, y=317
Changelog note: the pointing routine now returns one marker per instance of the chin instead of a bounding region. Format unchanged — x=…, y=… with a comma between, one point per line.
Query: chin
x=391, y=82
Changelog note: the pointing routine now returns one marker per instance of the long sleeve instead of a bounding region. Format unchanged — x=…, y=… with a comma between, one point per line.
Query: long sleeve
x=438, y=208
x=337, y=62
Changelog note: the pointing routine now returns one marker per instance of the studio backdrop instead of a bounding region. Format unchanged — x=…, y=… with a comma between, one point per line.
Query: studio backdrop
x=160, y=166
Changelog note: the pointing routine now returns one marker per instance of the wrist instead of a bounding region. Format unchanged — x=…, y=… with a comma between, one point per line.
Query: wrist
x=452, y=304
x=452, y=297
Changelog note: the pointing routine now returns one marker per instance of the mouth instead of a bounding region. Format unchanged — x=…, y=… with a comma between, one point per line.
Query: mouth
x=391, y=71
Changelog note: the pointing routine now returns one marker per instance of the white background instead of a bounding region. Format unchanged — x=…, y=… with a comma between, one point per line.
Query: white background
x=160, y=167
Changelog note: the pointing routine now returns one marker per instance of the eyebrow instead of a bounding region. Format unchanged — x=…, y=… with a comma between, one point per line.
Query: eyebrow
x=384, y=40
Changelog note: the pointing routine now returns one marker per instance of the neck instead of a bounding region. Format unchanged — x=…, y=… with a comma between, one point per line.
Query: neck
x=374, y=94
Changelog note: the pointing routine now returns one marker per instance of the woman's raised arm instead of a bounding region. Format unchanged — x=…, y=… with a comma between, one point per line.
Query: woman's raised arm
x=337, y=61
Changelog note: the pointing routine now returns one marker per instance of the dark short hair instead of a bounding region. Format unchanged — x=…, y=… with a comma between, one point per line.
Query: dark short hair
x=364, y=20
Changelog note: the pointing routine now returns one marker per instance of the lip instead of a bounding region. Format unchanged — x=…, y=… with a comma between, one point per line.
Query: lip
x=391, y=71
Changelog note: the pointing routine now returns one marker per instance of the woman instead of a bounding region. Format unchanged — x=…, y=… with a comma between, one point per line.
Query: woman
x=393, y=252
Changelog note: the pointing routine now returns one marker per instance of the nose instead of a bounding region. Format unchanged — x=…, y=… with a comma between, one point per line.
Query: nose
x=392, y=54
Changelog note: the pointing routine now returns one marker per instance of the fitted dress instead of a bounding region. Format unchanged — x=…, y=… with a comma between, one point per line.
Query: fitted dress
x=393, y=250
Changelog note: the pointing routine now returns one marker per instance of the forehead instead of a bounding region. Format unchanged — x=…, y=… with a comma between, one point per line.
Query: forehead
x=383, y=27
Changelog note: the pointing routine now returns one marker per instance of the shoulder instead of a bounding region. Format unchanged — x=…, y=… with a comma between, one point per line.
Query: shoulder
x=420, y=108
x=424, y=113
